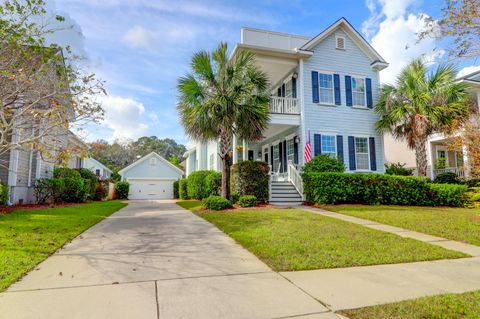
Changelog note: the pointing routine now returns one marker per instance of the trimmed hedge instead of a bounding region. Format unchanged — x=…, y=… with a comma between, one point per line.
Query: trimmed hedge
x=250, y=178
x=216, y=203
x=122, y=189
x=323, y=163
x=67, y=185
x=247, y=201
x=183, y=188
x=196, y=186
x=376, y=189
x=175, y=190
x=213, y=183
x=447, y=178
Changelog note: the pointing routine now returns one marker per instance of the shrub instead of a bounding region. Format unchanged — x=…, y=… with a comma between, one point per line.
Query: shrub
x=247, y=201
x=175, y=190
x=373, y=189
x=57, y=189
x=234, y=197
x=446, y=178
x=62, y=172
x=216, y=203
x=213, y=183
x=196, y=186
x=250, y=178
x=75, y=189
x=101, y=191
x=398, y=169
x=183, y=188
x=324, y=163
x=473, y=182
x=450, y=195
x=122, y=189
x=89, y=175
x=3, y=193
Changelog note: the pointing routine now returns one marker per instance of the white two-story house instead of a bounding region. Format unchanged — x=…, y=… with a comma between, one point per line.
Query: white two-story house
x=323, y=92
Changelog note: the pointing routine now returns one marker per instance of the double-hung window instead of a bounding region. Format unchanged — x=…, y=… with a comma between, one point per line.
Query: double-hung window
x=328, y=145
x=290, y=151
x=276, y=157
x=326, y=88
x=358, y=91
x=361, y=153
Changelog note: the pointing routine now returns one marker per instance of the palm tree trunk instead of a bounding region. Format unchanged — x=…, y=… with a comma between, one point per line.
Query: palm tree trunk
x=421, y=155
x=226, y=176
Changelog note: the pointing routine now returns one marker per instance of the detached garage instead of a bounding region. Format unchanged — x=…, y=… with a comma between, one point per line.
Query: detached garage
x=151, y=177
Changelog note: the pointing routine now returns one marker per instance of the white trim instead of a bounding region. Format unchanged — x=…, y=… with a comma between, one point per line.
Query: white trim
x=303, y=129
x=123, y=170
x=333, y=87
x=364, y=93
x=368, y=154
x=441, y=148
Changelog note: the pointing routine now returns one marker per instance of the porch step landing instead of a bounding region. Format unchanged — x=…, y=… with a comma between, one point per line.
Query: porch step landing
x=285, y=194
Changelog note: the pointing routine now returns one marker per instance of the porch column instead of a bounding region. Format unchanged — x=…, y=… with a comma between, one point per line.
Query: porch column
x=234, y=146
x=466, y=162
x=245, y=150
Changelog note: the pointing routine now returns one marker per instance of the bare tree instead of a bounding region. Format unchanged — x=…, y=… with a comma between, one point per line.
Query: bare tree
x=43, y=89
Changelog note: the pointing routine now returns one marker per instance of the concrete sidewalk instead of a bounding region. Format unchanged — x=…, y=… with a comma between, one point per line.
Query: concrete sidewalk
x=154, y=260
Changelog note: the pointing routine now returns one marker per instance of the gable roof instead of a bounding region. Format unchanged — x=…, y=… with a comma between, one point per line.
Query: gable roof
x=472, y=76
x=100, y=164
x=143, y=159
x=353, y=34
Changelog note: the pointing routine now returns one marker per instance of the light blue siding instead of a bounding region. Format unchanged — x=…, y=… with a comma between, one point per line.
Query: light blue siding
x=340, y=120
x=145, y=169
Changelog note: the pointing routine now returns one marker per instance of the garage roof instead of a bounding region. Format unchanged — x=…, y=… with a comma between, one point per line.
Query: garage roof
x=141, y=160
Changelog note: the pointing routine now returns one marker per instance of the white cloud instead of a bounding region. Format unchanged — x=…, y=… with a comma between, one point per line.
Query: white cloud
x=125, y=117
x=139, y=37
x=392, y=31
x=468, y=70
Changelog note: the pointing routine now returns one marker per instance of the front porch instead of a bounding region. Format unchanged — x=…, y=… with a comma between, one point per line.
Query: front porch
x=442, y=159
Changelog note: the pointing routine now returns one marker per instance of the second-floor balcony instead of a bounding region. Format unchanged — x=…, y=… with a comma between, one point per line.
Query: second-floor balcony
x=284, y=105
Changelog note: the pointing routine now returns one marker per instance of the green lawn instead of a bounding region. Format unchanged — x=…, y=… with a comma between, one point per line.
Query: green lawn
x=462, y=224
x=27, y=237
x=449, y=306
x=294, y=239
x=192, y=205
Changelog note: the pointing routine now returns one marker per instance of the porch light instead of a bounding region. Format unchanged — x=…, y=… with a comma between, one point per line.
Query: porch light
x=295, y=75
x=297, y=139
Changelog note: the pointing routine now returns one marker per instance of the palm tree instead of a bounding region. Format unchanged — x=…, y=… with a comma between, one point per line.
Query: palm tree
x=222, y=97
x=422, y=103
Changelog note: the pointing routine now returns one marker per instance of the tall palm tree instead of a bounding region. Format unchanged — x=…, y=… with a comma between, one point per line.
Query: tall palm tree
x=422, y=103
x=223, y=97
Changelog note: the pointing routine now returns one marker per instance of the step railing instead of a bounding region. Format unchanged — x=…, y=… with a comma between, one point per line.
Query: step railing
x=295, y=178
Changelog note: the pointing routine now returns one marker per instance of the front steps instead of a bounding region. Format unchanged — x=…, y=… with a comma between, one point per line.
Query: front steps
x=284, y=194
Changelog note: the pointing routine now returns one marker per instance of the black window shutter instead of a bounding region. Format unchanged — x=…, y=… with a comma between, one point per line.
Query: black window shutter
x=373, y=154
x=368, y=84
x=340, y=148
x=336, y=85
x=317, y=144
x=315, y=93
x=285, y=159
x=294, y=87
x=280, y=156
x=271, y=156
x=295, y=151
x=279, y=92
x=348, y=89
x=351, y=153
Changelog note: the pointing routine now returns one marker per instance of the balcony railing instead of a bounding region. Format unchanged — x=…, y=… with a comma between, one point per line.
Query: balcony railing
x=457, y=170
x=284, y=105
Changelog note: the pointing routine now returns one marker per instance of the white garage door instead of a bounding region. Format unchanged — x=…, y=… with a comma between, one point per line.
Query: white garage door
x=151, y=189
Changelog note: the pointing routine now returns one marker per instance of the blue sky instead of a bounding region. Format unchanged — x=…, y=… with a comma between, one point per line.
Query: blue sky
x=141, y=47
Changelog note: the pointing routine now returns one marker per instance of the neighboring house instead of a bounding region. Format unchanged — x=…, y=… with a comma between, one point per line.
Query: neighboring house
x=323, y=91
x=440, y=157
x=100, y=170
x=20, y=168
x=151, y=177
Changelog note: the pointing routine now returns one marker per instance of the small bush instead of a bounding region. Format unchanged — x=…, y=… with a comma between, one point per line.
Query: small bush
x=122, y=189
x=251, y=178
x=101, y=191
x=183, y=188
x=247, y=201
x=450, y=195
x=75, y=189
x=446, y=178
x=175, y=190
x=3, y=193
x=234, y=197
x=324, y=163
x=375, y=189
x=213, y=183
x=473, y=182
x=89, y=175
x=216, y=203
x=398, y=169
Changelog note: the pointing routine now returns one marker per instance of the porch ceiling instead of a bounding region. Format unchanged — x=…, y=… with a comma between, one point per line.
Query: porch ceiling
x=276, y=129
x=276, y=68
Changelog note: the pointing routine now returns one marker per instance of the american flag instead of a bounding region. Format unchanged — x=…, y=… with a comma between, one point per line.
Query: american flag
x=308, y=151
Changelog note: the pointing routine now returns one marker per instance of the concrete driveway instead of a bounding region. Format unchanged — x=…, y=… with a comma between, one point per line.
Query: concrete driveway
x=154, y=260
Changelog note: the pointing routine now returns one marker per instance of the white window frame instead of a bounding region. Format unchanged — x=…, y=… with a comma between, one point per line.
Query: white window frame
x=334, y=144
x=276, y=160
x=442, y=148
x=364, y=92
x=290, y=157
x=344, y=42
x=368, y=154
x=320, y=88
